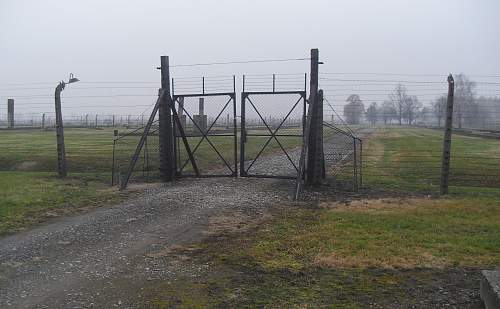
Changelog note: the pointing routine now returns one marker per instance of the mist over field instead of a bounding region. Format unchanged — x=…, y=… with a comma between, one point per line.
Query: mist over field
x=121, y=41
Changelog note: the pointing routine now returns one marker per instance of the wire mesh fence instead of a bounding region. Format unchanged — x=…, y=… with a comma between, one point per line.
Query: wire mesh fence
x=343, y=155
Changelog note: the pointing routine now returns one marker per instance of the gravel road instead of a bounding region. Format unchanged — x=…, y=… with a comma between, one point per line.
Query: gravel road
x=100, y=259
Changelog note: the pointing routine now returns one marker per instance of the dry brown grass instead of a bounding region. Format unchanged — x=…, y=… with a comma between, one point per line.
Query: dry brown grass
x=420, y=259
x=381, y=205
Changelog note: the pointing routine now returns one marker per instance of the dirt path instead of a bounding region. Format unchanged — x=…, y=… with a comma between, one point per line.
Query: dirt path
x=100, y=259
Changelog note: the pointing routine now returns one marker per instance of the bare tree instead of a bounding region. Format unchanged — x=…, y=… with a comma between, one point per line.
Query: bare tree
x=398, y=98
x=411, y=107
x=354, y=109
x=464, y=99
x=388, y=111
x=439, y=108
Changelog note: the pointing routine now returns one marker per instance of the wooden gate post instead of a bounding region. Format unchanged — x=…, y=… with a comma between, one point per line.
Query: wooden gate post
x=314, y=166
x=165, y=133
x=445, y=165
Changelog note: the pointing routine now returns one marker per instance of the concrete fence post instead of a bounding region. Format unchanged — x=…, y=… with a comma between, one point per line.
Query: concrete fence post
x=445, y=164
x=10, y=113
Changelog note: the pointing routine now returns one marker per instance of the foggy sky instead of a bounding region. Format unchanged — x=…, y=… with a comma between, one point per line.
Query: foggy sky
x=43, y=41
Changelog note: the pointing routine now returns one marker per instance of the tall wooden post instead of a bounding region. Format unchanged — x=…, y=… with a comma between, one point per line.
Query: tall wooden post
x=314, y=166
x=10, y=113
x=445, y=165
x=166, y=139
x=235, y=129
x=61, y=149
x=243, y=133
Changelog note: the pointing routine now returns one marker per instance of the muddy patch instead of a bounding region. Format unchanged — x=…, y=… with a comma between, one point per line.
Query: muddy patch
x=235, y=222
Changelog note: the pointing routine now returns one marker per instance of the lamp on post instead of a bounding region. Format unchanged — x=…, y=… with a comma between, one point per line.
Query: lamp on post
x=61, y=151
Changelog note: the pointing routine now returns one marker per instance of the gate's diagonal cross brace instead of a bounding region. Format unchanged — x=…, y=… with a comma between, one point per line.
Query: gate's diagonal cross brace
x=144, y=135
x=263, y=147
x=204, y=136
x=273, y=134
x=184, y=140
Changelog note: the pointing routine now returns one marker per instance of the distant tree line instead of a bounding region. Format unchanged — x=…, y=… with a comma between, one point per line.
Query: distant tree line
x=470, y=111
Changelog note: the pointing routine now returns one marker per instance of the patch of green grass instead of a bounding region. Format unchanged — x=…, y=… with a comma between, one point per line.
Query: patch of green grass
x=27, y=198
x=381, y=233
x=410, y=159
x=343, y=256
x=29, y=189
x=87, y=150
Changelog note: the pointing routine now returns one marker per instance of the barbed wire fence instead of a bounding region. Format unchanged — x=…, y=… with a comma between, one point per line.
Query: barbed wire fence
x=92, y=112
x=87, y=104
x=403, y=145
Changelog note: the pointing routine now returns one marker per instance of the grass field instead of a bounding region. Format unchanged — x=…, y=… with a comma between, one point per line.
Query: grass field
x=35, y=150
x=410, y=159
x=27, y=198
x=28, y=162
x=30, y=191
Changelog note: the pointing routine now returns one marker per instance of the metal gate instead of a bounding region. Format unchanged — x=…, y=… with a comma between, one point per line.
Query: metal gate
x=209, y=126
x=270, y=145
